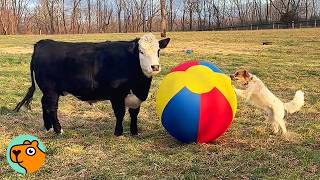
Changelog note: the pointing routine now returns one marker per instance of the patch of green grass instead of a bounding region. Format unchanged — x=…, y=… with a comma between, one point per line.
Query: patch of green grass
x=248, y=150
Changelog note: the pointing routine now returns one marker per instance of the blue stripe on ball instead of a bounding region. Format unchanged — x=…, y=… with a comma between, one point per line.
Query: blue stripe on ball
x=181, y=116
x=211, y=66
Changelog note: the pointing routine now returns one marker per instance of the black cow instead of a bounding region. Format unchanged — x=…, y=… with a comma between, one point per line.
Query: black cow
x=119, y=71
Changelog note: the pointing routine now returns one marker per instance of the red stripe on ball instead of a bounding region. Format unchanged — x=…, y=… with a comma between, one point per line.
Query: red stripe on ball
x=185, y=66
x=215, y=116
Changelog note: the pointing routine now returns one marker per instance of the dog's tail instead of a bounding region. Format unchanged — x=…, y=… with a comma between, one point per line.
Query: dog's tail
x=28, y=98
x=296, y=103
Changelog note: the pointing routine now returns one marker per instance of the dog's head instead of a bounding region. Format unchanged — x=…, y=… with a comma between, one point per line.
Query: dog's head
x=242, y=76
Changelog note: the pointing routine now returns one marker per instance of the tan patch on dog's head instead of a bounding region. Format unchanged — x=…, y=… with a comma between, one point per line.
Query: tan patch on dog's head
x=241, y=76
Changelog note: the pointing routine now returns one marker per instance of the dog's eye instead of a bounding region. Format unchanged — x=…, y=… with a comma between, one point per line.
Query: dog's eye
x=30, y=151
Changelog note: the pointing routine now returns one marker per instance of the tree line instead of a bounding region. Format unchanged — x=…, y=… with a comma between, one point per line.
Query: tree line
x=102, y=16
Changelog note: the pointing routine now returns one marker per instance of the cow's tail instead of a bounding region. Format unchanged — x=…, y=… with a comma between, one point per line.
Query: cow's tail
x=296, y=103
x=28, y=98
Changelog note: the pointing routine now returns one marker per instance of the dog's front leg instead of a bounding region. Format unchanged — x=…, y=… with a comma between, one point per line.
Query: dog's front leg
x=241, y=93
x=245, y=94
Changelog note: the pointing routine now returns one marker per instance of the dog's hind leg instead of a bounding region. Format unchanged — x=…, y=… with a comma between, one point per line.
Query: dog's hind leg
x=275, y=127
x=274, y=124
x=278, y=115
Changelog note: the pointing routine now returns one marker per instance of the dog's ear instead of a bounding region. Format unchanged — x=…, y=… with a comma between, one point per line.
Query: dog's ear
x=246, y=73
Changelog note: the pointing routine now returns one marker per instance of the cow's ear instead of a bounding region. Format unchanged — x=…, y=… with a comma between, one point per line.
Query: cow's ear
x=163, y=43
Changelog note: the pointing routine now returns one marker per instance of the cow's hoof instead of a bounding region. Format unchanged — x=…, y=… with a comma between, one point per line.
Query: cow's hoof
x=134, y=131
x=58, y=132
x=47, y=132
x=118, y=132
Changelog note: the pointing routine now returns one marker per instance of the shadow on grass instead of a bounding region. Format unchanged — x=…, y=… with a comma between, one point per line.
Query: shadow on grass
x=6, y=111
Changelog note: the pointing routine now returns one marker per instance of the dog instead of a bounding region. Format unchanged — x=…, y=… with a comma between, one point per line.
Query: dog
x=254, y=91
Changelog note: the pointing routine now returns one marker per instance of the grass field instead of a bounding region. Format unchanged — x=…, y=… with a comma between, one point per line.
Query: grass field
x=248, y=150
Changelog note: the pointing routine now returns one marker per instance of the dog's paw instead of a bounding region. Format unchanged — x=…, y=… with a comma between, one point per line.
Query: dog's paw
x=275, y=128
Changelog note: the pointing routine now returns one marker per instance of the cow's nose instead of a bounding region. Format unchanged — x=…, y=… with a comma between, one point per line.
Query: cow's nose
x=155, y=67
x=16, y=152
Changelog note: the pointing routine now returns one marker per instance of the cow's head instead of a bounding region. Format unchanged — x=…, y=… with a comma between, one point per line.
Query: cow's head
x=149, y=54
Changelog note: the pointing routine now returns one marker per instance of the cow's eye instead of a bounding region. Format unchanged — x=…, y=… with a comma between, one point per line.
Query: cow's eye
x=141, y=52
x=31, y=151
x=159, y=53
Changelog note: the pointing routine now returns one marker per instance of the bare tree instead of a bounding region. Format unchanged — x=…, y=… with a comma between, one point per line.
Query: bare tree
x=191, y=6
x=287, y=9
x=163, y=18
x=119, y=4
x=171, y=15
x=91, y=16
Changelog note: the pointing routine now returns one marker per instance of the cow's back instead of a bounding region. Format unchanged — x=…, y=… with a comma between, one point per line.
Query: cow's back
x=85, y=70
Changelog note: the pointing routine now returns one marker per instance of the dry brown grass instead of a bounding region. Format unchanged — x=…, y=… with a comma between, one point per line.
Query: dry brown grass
x=15, y=50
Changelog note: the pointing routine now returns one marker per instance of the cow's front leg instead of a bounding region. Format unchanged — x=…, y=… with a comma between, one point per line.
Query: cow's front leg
x=134, y=119
x=119, y=111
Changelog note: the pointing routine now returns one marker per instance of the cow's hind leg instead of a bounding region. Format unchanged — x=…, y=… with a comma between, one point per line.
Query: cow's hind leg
x=119, y=111
x=134, y=118
x=45, y=113
x=49, y=107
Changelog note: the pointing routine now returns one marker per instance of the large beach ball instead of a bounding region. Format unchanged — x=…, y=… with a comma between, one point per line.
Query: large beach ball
x=196, y=102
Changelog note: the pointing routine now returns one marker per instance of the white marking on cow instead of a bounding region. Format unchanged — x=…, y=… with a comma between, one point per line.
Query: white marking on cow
x=148, y=54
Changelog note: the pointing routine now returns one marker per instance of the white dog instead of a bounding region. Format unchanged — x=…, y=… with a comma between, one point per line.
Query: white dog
x=260, y=96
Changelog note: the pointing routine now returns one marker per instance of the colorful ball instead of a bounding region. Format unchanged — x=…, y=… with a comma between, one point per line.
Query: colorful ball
x=196, y=102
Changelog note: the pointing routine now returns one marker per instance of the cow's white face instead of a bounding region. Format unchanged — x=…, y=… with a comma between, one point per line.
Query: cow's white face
x=149, y=52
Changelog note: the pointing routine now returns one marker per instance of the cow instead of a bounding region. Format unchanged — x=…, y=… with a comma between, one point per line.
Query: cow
x=119, y=71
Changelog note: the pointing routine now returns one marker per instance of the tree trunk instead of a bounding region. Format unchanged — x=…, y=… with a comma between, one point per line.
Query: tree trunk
x=119, y=5
x=171, y=15
x=183, y=19
x=306, y=9
x=190, y=17
x=163, y=18
x=89, y=16
x=64, y=18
